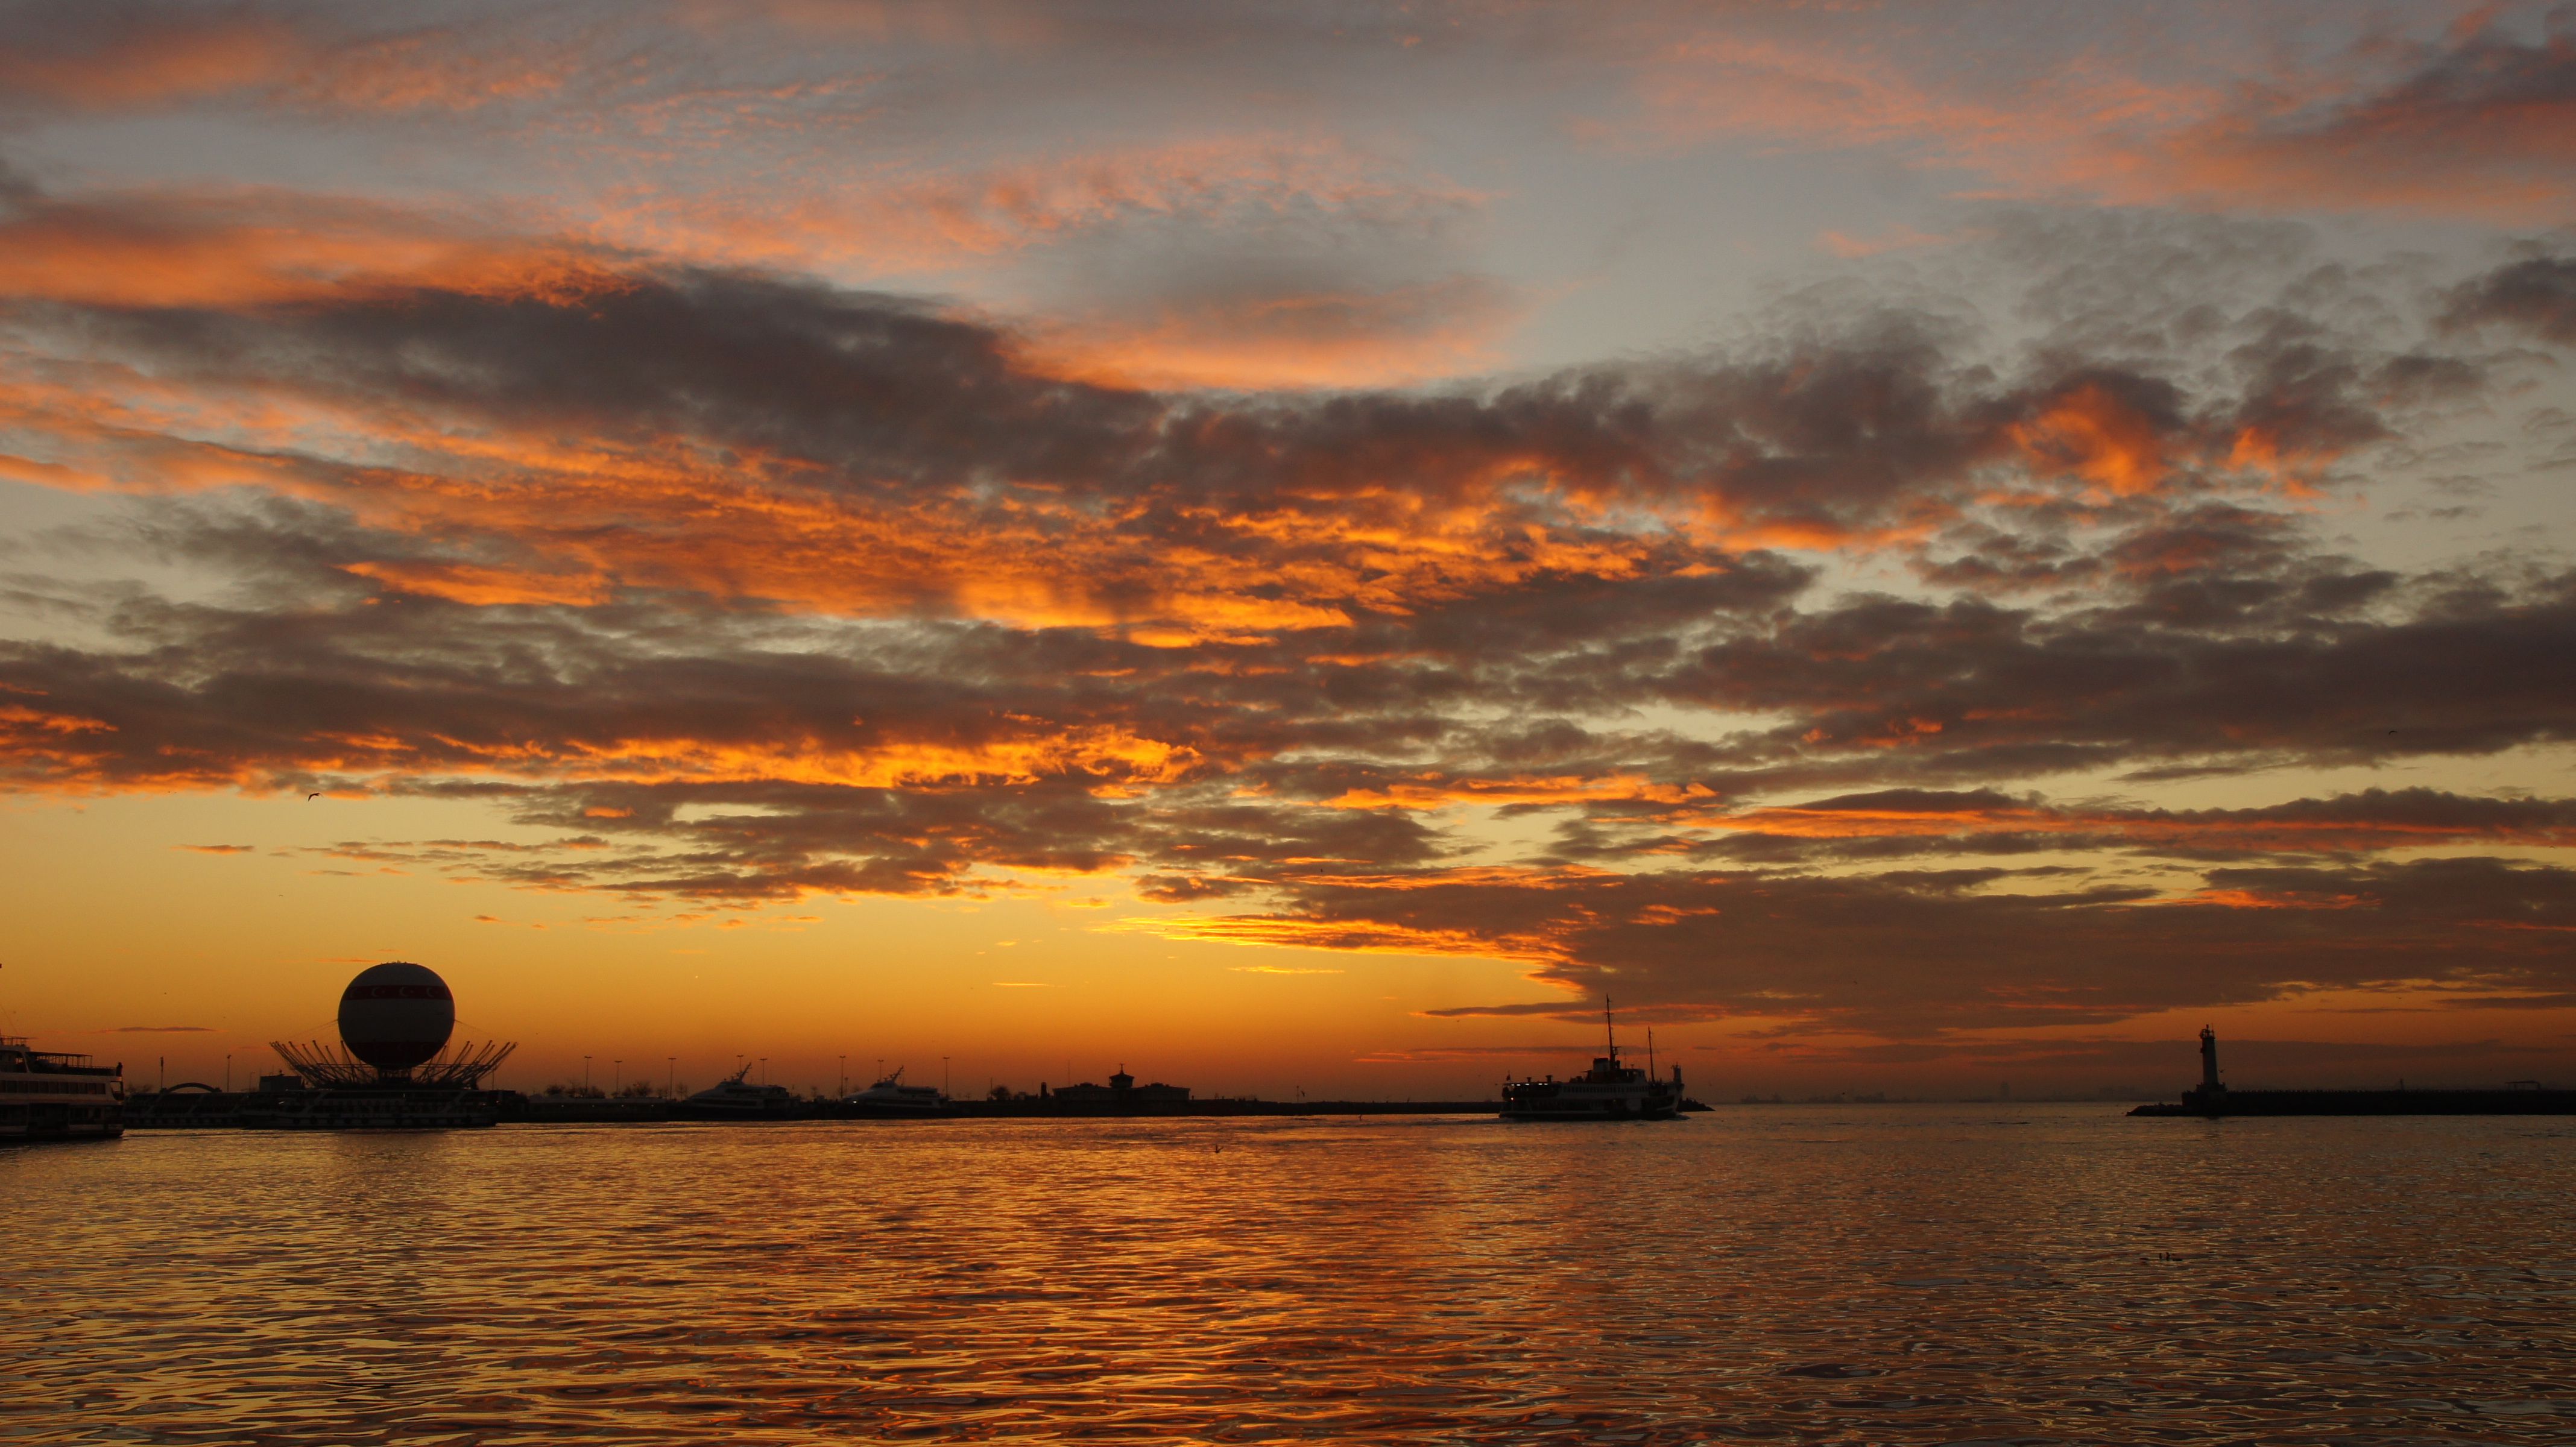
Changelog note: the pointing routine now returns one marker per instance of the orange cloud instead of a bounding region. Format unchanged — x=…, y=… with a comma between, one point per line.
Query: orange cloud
x=45, y=747
x=1347, y=339
x=2255, y=899
x=1376, y=938
x=2476, y=124
x=1436, y=791
x=1106, y=752
x=424, y=70
x=250, y=248
x=2354, y=824
x=1894, y=238
x=942, y=220
x=116, y=66
x=2472, y=122
x=2099, y=437
x=39, y=721
x=1227, y=332
x=480, y=586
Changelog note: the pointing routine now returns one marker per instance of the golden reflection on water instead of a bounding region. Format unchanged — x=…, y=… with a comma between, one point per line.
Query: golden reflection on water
x=1871, y=1274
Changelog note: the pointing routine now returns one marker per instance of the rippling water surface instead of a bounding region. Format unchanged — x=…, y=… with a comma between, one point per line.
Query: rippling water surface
x=1810, y=1274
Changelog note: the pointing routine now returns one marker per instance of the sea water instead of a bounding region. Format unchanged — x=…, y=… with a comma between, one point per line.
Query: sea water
x=1860, y=1274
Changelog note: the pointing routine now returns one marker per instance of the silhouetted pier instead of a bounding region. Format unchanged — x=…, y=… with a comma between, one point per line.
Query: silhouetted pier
x=2212, y=1099
x=389, y=1108
x=599, y=1111
x=198, y=1109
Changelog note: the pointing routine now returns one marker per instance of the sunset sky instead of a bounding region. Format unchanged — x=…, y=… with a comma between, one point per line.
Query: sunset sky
x=1296, y=546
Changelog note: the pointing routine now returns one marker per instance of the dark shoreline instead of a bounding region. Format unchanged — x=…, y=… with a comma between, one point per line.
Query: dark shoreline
x=2217, y=1104
x=320, y=1109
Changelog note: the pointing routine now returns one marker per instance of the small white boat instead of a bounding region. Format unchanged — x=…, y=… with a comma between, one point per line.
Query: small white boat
x=891, y=1097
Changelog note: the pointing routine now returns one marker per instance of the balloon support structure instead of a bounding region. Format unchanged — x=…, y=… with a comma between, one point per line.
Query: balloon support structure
x=330, y=1068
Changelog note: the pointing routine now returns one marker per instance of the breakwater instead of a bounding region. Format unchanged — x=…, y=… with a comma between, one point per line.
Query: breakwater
x=322, y=1109
x=2211, y=1099
x=580, y=1108
x=363, y=1109
x=2214, y=1104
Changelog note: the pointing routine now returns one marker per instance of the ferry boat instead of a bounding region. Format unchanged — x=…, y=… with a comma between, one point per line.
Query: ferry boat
x=1611, y=1090
x=49, y=1095
x=891, y=1097
x=736, y=1098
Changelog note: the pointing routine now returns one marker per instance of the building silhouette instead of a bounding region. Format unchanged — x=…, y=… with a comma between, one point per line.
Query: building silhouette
x=1122, y=1092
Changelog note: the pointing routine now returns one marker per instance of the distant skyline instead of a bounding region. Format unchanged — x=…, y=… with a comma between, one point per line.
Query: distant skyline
x=1918, y=547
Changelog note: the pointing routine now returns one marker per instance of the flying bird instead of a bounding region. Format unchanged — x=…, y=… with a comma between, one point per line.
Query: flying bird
x=309, y=798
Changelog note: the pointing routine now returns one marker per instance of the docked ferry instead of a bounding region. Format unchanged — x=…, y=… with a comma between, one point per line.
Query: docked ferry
x=737, y=1098
x=891, y=1097
x=48, y=1095
x=1611, y=1090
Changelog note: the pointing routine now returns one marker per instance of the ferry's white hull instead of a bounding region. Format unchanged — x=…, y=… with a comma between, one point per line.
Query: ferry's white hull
x=40, y=1108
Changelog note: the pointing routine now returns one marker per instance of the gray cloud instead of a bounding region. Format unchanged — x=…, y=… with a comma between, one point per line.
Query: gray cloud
x=2535, y=295
x=1913, y=955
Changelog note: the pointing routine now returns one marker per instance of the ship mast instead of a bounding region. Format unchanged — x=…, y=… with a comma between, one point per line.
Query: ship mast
x=1609, y=1030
